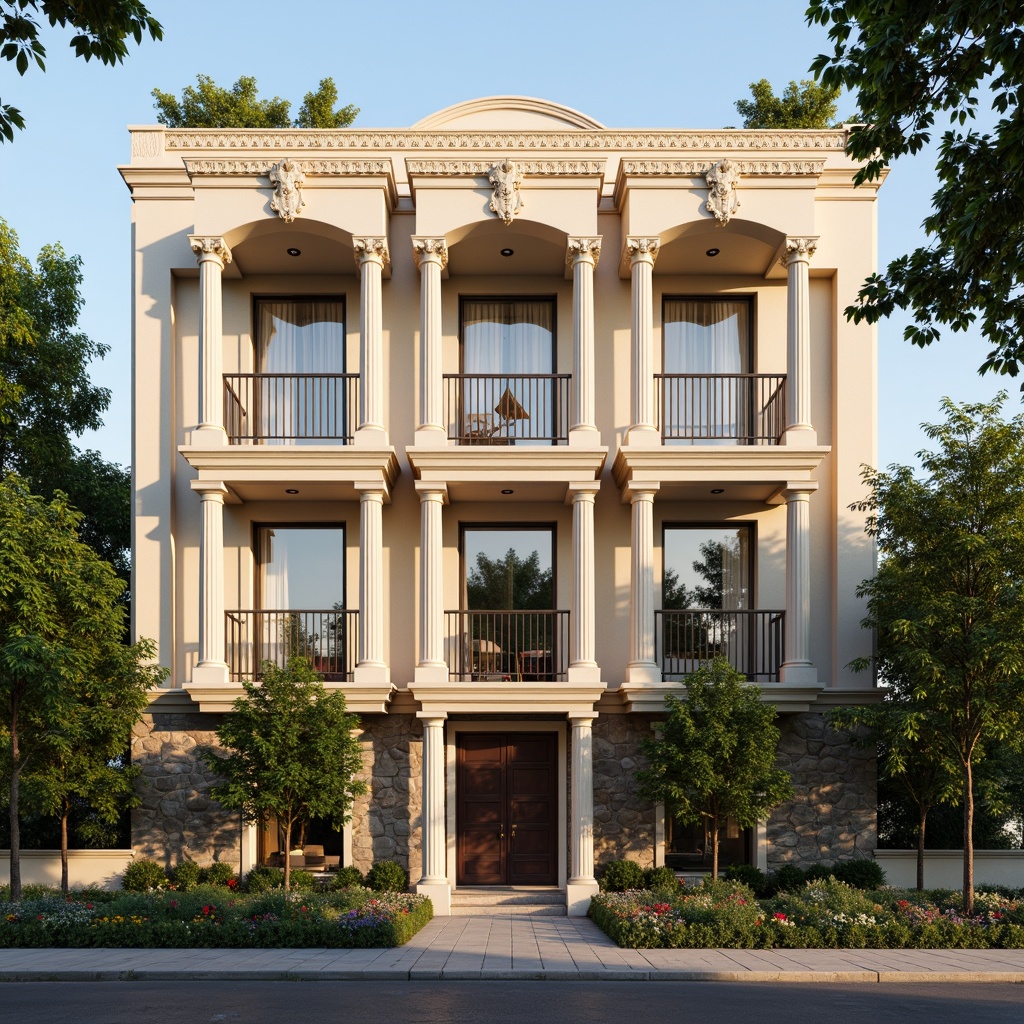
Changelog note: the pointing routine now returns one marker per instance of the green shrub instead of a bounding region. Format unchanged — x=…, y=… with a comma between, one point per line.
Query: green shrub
x=347, y=878
x=264, y=878
x=620, y=875
x=861, y=873
x=661, y=879
x=141, y=875
x=761, y=884
x=818, y=873
x=218, y=873
x=187, y=875
x=387, y=876
x=788, y=878
x=302, y=881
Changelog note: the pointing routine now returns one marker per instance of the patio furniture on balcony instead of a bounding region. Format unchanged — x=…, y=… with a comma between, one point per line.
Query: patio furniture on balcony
x=326, y=637
x=508, y=646
x=503, y=409
x=721, y=408
x=749, y=639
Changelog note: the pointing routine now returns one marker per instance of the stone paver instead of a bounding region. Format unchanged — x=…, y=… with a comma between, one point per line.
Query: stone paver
x=471, y=948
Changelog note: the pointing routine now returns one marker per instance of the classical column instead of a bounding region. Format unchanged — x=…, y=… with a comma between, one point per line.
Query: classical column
x=213, y=255
x=431, y=665
x=642, y=252
x=582, y=255
x=431, y=256
x=582, y=665
x=371, y=255
x=211, y=668
x=797, y=259
x=582, y=884
x=371, y=666
x=642, y=667
x=797, y=668
x=434, y=882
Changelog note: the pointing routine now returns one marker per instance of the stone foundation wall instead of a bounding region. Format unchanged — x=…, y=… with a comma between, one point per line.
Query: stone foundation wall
x=833, y=815
x=177, y=818
x=624, y=825
x=386, y=820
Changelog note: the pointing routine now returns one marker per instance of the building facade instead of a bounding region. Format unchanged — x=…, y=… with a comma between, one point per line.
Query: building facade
x=507, y=421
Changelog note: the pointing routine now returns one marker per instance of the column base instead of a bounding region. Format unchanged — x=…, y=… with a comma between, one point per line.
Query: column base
x=584, y=437
x=646, y=672
x=431, y=437
x=370, y=437
x=577, y=896
x=584, y=673
x=798, y=673
x=440, y=894
x=800, y=437
x=208, y=437
x=431, y=674
x=371, y=674
x=644, y=437
x=211, y=674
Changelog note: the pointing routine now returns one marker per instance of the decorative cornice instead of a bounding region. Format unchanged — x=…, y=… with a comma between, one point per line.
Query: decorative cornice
x=578, y=247
x=422, y=247
x=798, y=248
x=700, y=168
x=369, y=249
x=210, y=245
x=226, y=167
x=483, y=168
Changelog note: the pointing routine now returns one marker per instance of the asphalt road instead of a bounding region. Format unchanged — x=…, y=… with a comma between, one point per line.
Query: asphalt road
x=499, y=1002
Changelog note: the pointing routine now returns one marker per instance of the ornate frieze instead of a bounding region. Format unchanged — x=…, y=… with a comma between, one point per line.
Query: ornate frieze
x=700, y=168
x=371, y=248
x=464, y=168
x=422, y=247
x=506, y=201
x=722, y=201
x=311, y=167
x=582, y=247
x=287, y=179
x=210, y=245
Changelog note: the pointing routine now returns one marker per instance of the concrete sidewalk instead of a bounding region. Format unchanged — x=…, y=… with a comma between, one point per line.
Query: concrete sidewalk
x=513, y=948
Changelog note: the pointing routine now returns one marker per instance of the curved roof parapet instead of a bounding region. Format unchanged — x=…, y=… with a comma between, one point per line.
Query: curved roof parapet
x=508, y=113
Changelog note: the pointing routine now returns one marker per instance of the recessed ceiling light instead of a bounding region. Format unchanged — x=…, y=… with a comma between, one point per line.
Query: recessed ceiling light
x=508, y=252
x=291, y=490
x=294, y=252
x=718, y=490
x=712, y=252
x=508, y=490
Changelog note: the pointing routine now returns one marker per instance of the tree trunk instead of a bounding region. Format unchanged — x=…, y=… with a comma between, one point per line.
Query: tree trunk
x=15, y=825
x=287, y=854
x=968, y=838
x=64, y=811
x=714, y=846
x=920, y=848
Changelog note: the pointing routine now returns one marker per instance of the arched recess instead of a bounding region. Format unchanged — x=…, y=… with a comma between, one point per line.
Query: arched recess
x=262, y=247
x=480, y=248
x=739, y=248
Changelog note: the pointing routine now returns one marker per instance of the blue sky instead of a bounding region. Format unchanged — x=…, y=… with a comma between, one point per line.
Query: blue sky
x=651, y=63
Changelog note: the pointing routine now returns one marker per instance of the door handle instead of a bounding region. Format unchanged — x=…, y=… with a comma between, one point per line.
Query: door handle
x=513, y=831
x=501, y=832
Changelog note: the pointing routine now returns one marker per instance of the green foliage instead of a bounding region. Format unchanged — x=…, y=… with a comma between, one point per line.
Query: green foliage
x=302, y=880
x=715, y=758
x=347, y=877
x=208, y=105
x=620, y=875
x=101, y=31
x=218, y=873
x=803, y=105
x=789, y=877
x=291, y=754
x=910, y=65
x=387, y=876
x=860, y=873
x=263, y=878
x=661, y=879
x=187, y=875
x=142, y=875
x=509, y=582
x=760, y=884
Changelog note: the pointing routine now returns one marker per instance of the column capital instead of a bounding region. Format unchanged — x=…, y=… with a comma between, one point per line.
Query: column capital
x=210, y=248
x=582, y=490
x=582, y=717
x=430, y=249
x=428, y=490
x=371, y=492
x=642, y=249
x=641, y=491
x=371, y=250
x=583, y=249
x=210, y=490
x=435, y=717
x=798, y=249
x=799, y=491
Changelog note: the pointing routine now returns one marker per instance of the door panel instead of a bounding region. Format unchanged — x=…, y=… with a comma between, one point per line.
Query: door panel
x=507, y=809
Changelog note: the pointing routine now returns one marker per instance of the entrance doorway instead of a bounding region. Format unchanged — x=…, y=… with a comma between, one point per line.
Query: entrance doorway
x=507, y=814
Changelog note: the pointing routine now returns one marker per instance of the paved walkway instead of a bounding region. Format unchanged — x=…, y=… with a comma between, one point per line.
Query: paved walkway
x=516, y=948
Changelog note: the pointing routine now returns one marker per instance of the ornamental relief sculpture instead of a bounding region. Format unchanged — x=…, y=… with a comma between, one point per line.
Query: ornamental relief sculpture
x=430, y=247
x=506, y=201
x=583, y=248
x=287, y=179
x=722, y=179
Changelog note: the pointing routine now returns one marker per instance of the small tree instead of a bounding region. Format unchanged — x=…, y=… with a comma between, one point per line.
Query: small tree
x=715, y=758
x=803, y=105
x=291, y=755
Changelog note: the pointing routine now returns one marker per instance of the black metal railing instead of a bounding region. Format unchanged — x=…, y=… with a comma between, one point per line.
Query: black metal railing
x=750, y=640
x=328, y=638
x=283, y=408
x=513, y=646
x=721, y=408
x=502, y=409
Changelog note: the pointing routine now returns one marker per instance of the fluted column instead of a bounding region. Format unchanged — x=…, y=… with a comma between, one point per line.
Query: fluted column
x=371, y=255
x=431, y=665
x=642, y=253
x=431, y=256
x=797, y=259
x=642, y=667
x=212, y=255
x=582, y=630
x=211, y=668
x=434, y=882
x=582, y=884
x=582, y=255
x=371, y=666
x=797, y=667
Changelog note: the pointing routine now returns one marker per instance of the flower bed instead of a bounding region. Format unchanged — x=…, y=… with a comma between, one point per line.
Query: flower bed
x=214, y=916
x=825, y=914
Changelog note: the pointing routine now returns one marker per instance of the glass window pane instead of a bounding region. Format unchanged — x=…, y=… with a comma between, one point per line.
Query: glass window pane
x=300, y=336
x=302, y=567
x=508, y=569
x=707, y=336
x=706, y=567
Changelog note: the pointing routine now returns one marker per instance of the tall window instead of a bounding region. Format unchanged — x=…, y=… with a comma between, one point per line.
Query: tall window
x=707, y=567
x=707, y=336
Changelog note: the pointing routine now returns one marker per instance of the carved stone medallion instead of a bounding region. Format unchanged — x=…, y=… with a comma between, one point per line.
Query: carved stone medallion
x=287, y=179
x=506, y=201
x=722, y=199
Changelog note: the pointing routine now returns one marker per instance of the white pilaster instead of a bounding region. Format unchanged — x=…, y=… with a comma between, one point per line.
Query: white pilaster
x=642, y=252
x=797, y=259
x=642, y=667
x=431, y=256
x=431, y=665
x=581, y=884
x=211, y=669
x=213, y=255
x=434, y=882
x=797, y=668
x=371, y=255
x=583, y=667
x=582, y=255
x=371, y=666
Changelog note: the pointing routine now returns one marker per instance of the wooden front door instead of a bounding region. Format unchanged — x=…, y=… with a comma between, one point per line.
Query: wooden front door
x=507, y=815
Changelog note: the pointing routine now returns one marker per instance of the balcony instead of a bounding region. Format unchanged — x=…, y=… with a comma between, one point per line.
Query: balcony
x=504, y=409
x=508, y=646
x=291, y=408
x=328, y=638
x=750, y=640
x=721, y=408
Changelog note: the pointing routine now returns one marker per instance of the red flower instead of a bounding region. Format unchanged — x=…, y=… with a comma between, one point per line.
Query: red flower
x=779, y=916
